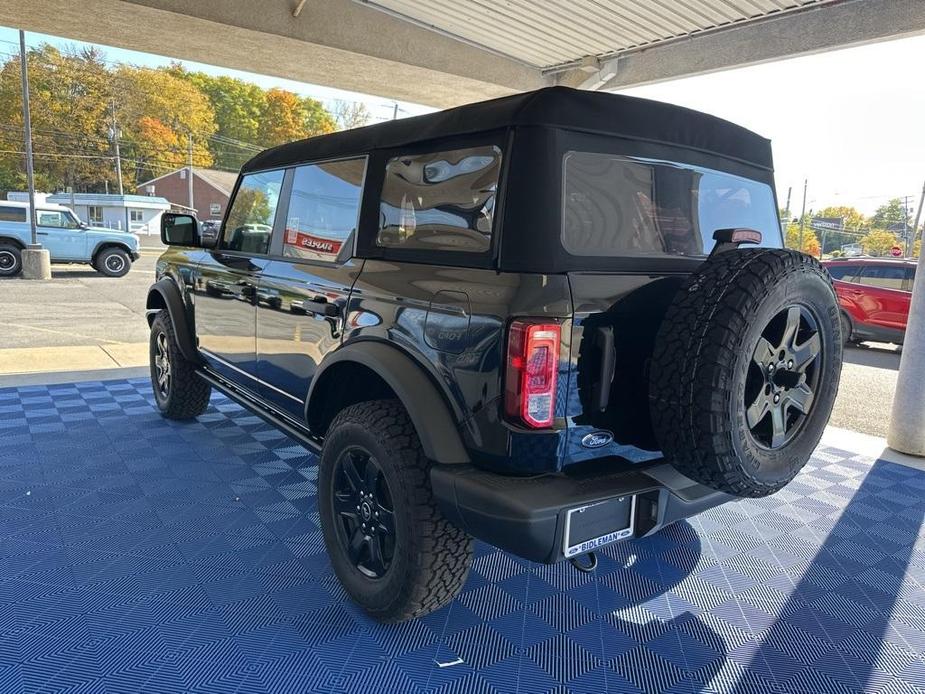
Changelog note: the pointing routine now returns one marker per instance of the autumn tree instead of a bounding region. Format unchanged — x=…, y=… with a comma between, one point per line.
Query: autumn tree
x=852, y=221
x=879, y=242
x=810, y=240
x=287, y=117
x=70, y=119
x=157, y=114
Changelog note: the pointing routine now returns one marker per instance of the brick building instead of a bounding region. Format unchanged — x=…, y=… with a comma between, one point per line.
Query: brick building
x=211, y=190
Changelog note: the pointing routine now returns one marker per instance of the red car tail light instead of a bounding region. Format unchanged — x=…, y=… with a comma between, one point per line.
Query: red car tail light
x=532, y=368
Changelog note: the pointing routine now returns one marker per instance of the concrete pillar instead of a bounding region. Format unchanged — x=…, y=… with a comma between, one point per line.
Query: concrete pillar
x=907, y=422
x=36, y=264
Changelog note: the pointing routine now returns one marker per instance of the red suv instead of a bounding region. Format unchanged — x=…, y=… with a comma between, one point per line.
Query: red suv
x=874, y=294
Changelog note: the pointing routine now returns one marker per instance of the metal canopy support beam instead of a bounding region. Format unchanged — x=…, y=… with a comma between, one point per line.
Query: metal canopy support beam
x=816, y=29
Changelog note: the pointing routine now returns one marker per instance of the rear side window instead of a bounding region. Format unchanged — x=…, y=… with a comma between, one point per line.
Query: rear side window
x=441, y=201
x=845, y=273
x=12, y=214
x=250, y=219
x=883, y=276
x=615, y=205
x=323, y=209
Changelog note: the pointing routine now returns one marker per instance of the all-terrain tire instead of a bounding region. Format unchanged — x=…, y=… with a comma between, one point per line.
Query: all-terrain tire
x=705, y=354
x=431, y=556
x=10, y=260
x=186, y=395
x=113, y=262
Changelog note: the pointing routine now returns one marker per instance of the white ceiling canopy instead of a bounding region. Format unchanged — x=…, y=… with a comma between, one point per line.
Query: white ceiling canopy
x=549, y=34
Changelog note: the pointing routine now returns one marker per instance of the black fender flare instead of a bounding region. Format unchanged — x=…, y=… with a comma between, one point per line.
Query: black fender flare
x=170, y=297
x=429, y=412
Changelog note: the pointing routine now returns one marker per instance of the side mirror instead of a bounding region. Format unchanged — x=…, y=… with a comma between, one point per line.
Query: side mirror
x=179, y=229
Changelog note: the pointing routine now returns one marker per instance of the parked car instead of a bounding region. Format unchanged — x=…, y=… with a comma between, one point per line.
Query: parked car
x=526, y=321
x=874, y=295
x=67, y=239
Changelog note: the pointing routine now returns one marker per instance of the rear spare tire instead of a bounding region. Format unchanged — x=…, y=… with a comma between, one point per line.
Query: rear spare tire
x=745, y=370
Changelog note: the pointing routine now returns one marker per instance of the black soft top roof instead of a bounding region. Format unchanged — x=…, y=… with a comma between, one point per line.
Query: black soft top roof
x=557, y=107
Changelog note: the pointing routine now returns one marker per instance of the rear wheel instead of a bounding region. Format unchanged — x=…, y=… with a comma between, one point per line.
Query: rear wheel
x=390, y=546
x=178, y=390
x=10, y=260
x=113, y=262
x=745, y=370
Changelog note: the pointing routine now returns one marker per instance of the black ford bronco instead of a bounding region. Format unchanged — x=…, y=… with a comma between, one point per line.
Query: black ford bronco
x=528, y=321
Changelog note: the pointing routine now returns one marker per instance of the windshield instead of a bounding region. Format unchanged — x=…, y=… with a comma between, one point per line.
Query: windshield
x=616, y=205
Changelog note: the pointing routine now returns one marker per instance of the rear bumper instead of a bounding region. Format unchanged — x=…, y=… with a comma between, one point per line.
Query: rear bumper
x=527, y=516
x=135, y=255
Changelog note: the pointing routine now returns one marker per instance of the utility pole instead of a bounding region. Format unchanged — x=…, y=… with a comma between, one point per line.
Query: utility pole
x=906, y=219
x=189, y=178
x=116, y=134
x=787, y=209
x=910, y=247
x=803, y=213
x=395, y=111
x=36, y=261
x=27, y=133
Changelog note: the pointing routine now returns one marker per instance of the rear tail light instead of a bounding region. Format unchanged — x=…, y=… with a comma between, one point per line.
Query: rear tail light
x=530, y=376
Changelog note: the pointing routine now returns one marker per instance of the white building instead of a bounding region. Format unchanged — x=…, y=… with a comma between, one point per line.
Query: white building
x=140, y=214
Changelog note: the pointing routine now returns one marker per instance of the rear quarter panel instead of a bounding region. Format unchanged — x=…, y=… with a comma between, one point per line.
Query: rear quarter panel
x=452, y=322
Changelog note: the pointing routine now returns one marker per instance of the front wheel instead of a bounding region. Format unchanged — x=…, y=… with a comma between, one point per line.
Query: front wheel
x=114, y=262
x=178, y=390
x=390, y=546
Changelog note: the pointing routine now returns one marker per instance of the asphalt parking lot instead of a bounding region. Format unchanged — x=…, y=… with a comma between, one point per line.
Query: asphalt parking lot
x=80, y=307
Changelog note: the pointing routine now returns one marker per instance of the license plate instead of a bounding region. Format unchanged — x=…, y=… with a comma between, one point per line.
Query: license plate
x=595, y=525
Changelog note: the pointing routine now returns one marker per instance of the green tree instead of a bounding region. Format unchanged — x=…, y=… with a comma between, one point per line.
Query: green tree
x=890, y=214
x=810, y=240
x=878, y=242
x=238, y=106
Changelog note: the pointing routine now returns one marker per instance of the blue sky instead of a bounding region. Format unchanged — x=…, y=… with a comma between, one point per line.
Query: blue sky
x=850, y=121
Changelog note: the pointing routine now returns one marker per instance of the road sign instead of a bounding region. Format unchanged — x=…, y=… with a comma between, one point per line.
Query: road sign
x=896, y=252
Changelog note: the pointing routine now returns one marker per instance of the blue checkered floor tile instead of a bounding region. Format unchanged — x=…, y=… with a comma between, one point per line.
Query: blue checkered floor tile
x=140, y=555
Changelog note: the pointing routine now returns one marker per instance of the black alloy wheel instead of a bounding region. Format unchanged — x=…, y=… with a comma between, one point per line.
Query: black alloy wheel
x=781, y=384
x=362, y=502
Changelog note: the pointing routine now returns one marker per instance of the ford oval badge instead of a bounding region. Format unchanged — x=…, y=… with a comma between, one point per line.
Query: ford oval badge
x=596, y=439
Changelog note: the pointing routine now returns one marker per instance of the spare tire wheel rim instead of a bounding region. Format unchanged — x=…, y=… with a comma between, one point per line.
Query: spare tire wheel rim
x=783, y=376
x=7, y=260
x=115, y=263
x=363, y=512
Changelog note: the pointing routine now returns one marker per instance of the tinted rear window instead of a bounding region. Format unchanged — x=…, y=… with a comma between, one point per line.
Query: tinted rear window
x=12, y=214
x=846, y=273
x=615, y=206
x=883, y=276
x=441, y=201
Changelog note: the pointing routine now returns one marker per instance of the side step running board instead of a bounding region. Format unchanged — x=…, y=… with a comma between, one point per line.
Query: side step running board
x=262, y=410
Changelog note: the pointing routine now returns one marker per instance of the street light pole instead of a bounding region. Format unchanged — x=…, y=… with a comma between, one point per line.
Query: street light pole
x=910, y=244
x=36, y=261
x=27, y=130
